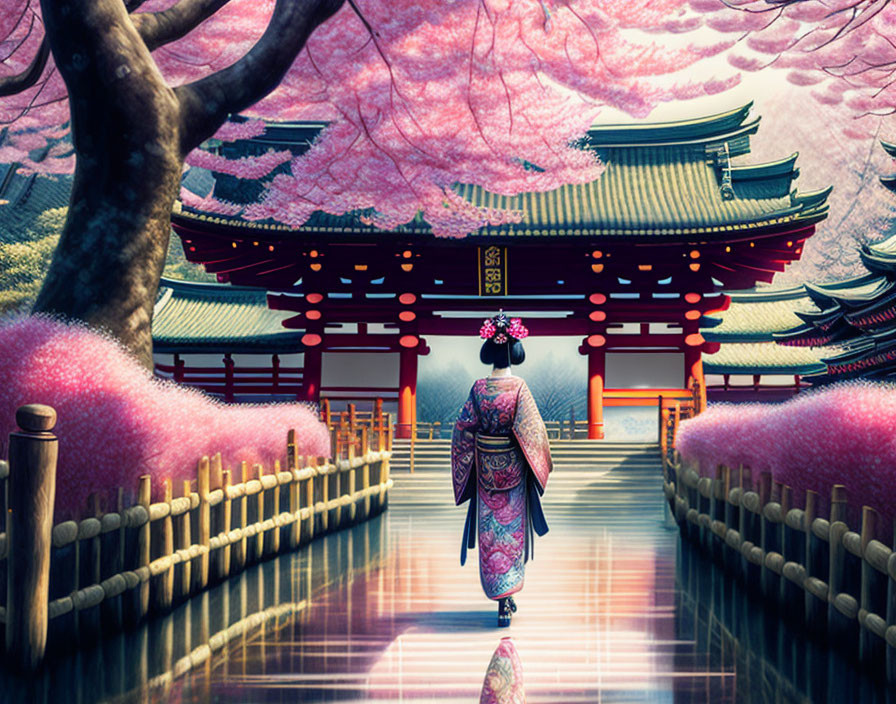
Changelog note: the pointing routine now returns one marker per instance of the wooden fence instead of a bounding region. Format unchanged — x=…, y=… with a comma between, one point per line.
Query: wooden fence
x=212, y=636
x=746, y=654
x=674, y=410
x=836, y=582
x=75, y=580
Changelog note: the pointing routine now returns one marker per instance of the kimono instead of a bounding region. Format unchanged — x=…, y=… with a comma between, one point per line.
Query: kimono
x=500, y=462
x=504, y=678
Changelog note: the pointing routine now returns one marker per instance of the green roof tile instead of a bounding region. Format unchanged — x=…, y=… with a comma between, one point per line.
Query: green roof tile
x=765, y=358
x=659, y=179
x=755, y=318
x=194, y=317
x=701, y=130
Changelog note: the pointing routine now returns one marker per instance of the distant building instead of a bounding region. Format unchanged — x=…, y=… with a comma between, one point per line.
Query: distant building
x=814, y=333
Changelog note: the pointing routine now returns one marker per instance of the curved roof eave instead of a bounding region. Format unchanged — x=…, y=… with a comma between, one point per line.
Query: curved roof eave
x=707, y=128
x=889, y=147
x=769, y=169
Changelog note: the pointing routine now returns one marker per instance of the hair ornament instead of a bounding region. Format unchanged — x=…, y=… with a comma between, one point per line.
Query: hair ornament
x=500, y=329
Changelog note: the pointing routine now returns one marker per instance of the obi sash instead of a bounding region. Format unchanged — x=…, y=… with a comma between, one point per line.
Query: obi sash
x=500, y=466
x=500, y=463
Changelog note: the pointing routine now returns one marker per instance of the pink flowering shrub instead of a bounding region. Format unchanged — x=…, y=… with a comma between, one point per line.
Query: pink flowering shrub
x=116, y=422
x=839, y=435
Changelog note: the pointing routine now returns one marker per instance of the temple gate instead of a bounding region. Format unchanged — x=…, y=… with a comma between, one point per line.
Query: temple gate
x=628, y=264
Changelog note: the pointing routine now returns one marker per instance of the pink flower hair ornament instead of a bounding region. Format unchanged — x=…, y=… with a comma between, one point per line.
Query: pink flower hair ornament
x=499, y=329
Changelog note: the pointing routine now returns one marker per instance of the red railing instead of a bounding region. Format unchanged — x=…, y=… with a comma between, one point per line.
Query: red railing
x=230, y=380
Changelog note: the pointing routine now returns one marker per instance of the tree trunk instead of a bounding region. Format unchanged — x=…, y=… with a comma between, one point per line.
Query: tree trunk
x=131, y=133
x=125, y=129
x=107, y=266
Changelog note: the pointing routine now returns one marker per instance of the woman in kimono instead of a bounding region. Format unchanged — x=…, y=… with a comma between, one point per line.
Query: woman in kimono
x=500, y=461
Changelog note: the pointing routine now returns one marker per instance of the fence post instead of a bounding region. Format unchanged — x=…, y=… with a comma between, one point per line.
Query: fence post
x=292, y=465
x=272, y=503
x=241, y=547
x=184, y=543
x=144, y=495
x=163, y=587
x=204, y=522
x=32, y=490
x=838, y=623
x=259, y=514
x=310, y=497
x=226, y=525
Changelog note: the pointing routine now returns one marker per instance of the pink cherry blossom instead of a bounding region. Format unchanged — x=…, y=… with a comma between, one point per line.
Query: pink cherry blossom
x=839, y=435
x=848, y=46
x=116, y=422
x=417, y=96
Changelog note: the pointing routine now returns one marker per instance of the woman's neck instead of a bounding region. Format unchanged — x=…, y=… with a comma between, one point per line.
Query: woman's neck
x=500, y=371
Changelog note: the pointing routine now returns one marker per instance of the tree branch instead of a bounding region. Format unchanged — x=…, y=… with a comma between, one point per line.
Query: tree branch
x=206, y=103
x=10, y=85
x=159, y=28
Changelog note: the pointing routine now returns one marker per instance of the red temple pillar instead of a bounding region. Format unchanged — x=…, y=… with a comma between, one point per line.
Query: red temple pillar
x=407, y=392
x=311, y=374
x=596, y=373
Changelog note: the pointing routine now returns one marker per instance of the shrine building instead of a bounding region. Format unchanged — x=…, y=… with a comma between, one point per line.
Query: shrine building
x=808, y=335
x=626, y=266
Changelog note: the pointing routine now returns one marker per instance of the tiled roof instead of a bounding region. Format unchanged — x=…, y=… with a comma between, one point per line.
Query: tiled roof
x=646, y=192
x=765, y=358
x=754, y=316
x=858, y=291
x=880, y=257
x=699, y=130
x=196, y=317
x=667, y=180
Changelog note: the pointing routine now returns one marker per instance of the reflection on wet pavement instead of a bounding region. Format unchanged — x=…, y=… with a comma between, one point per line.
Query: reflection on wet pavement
x=614, y=609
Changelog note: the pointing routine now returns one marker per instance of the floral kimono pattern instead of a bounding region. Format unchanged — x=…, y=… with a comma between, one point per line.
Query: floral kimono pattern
x=504, y=678
x=500, y=462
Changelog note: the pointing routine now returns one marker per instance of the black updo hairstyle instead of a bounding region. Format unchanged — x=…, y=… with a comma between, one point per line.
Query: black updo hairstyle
x=502, y=355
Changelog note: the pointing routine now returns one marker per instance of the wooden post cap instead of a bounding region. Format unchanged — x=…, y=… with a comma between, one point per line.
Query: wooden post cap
x=36, y=418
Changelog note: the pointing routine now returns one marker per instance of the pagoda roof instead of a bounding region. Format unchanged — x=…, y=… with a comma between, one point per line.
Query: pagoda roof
x=889, y=182
x=764, y=358
x=881, y=256
x=755, y=316
x=889, y=148
x=850, y=292
x=661, y=181
x=195, y=317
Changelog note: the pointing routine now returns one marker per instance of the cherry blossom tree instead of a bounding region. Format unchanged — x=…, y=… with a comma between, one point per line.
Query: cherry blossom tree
x=417, y=96
x=130, y=130
x=844, y=49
